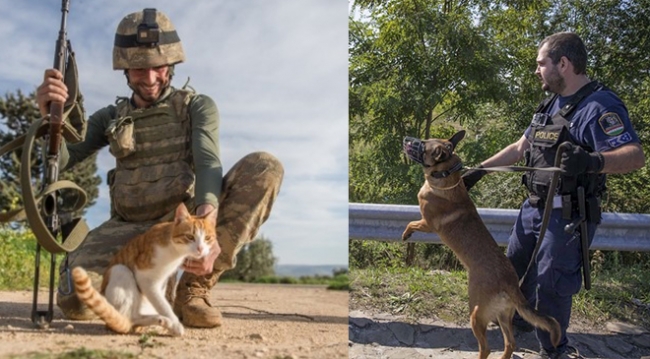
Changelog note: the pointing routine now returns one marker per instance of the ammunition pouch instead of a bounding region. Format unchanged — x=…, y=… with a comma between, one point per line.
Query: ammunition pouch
x=121, y=137
x=570, y=206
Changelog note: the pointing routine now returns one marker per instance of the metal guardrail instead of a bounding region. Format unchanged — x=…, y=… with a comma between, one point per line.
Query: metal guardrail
x=384, y=222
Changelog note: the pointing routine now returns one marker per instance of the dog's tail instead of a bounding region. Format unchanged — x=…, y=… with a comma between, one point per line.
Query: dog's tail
x=538, y=320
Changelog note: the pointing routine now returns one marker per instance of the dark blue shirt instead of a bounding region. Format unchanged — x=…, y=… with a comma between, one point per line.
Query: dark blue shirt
x=600, y=122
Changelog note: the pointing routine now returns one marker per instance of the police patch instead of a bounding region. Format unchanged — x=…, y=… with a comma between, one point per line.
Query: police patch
x=622, y=139
x=611, y=124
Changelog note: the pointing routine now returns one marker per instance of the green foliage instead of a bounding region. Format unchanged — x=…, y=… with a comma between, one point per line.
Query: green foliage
x=18, y=250
x=426, y=68
x=412, y=64
x=340, y=282
x=364, y=254
x=254, y=261
x=18, y=113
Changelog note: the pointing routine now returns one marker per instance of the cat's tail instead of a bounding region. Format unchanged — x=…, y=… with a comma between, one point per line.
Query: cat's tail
x=97, y=303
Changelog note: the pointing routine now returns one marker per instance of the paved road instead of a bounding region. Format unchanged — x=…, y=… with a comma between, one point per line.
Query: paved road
x=387, y=336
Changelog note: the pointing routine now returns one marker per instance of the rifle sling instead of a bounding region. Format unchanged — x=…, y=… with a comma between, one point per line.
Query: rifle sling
x=41, y=232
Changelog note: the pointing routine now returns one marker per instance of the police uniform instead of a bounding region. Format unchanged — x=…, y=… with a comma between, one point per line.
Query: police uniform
x=597, y=121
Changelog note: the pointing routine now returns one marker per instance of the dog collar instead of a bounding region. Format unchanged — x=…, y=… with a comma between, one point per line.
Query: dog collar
x=442, y=174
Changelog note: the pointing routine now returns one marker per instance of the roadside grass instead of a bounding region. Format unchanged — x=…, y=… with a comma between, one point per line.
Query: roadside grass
x=621, y=294
x=617, y=294
x=412, y=292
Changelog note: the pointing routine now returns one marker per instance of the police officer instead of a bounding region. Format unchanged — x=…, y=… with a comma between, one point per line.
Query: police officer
x=595, y=121
x=166, y=145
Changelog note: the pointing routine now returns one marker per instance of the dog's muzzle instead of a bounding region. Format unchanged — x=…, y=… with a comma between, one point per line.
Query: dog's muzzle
x=414, y=149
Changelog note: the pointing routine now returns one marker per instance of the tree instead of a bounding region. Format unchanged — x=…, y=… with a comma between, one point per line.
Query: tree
x=412, y=64
x=19, y=112
x=425, y=68
x=255, y=260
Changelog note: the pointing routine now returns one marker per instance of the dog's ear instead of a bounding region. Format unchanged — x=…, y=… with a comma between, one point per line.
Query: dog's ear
x=457, y=137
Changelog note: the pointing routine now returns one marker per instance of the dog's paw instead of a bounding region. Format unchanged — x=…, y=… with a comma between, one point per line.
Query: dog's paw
x=406, y=235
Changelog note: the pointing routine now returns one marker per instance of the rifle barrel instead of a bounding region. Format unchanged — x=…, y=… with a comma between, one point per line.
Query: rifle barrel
x=56, y=108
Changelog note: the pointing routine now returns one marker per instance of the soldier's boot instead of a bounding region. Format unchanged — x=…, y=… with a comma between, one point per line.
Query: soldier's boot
x=67, y=300
x=192, y=304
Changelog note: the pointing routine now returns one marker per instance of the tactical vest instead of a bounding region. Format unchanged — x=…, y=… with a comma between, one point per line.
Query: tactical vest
x=154, y=167
x=547, y=133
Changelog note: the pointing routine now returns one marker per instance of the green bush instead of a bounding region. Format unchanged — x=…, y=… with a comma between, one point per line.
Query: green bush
x=340, y=282
x=18, y=248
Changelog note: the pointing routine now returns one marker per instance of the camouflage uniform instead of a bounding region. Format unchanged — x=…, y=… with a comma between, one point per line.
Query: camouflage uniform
x=249, y=190
x=166, y=153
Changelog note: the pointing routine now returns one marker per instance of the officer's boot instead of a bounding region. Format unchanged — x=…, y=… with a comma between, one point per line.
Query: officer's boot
x=192, y=303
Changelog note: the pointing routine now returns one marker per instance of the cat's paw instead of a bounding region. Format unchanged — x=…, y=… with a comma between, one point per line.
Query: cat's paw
x=176, y=329
x=165, y=322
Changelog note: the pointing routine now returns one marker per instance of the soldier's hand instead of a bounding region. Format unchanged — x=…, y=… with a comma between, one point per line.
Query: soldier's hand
x=203, y=265
x=52, y=89
x=577, y=160
x=471, y=177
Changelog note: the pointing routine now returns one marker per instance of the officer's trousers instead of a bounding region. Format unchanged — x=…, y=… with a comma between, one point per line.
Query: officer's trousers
x=556, y=276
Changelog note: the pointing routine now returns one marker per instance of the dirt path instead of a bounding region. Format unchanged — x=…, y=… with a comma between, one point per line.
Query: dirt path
x=386, y=336
x=260, y=321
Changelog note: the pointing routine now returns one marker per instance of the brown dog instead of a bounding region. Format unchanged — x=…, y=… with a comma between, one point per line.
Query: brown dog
x=447, y=210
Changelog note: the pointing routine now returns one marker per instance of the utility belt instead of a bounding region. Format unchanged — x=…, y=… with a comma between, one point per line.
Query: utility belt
x=570, y=206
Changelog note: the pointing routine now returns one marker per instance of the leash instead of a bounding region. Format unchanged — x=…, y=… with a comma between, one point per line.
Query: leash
x=516, y=168
x=548, y=206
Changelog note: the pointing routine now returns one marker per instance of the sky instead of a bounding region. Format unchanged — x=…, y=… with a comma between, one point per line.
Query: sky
x=277, y=70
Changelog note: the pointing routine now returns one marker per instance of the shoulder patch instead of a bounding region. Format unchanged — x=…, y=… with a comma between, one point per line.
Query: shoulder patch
x=611, y=124
x=620, y=140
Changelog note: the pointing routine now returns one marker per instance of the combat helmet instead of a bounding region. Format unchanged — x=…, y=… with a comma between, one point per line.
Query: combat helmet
x=146, y=39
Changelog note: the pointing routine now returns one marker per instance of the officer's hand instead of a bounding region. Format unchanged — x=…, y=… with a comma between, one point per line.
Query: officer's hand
x=52, y=89
x=577, y=160
x=471, y=177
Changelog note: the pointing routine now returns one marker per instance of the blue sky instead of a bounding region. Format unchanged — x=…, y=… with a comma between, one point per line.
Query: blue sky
x=277, y=70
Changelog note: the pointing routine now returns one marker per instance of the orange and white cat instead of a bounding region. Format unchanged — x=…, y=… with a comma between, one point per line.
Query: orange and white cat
x=137, y=275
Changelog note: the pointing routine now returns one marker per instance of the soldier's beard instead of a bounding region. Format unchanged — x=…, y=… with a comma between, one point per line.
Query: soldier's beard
x=149, y=93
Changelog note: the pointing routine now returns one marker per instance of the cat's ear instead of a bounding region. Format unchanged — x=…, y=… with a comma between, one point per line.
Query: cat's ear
x=212, y=216
x=181, y=214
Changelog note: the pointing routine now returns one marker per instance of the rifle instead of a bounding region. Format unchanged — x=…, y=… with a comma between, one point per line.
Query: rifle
x=72, y=232
x=51, y=175
x=65, y=120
